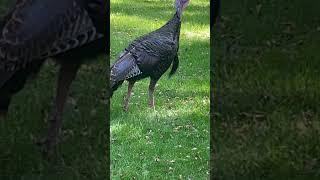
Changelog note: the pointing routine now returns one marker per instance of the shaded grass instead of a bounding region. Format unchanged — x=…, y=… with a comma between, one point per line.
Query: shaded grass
x=173, y=141
x=267, y=91
x=81, y=152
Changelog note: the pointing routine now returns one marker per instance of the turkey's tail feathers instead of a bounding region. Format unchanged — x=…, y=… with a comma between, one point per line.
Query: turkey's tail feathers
x=121, y=69
x=175, y=65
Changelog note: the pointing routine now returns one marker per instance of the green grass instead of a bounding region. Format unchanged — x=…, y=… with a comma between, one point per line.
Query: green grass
x=173, y=141
x=266, y=74
x=81, y=153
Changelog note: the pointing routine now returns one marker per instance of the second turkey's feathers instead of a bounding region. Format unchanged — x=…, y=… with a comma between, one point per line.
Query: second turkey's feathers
x=36, y=30
x=121, y=69
x=134, y=71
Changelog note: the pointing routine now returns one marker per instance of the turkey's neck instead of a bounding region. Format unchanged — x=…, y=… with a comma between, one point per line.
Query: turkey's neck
x=173, y=25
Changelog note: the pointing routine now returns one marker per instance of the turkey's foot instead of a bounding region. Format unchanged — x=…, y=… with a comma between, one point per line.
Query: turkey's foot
x=47, y=144
x=151, y=105
x=125, y=108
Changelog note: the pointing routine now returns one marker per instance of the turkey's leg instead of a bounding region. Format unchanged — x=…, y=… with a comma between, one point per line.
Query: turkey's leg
x=126, y=100
x=67, y=74
x=152, y=86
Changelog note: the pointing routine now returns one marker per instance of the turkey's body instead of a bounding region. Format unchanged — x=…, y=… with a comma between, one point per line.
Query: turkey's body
x=148, y=56
x=35, y=30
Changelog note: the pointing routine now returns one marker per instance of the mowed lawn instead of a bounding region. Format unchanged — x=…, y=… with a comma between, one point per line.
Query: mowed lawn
x=171, y=142
x=267, y=90
x=81, y=151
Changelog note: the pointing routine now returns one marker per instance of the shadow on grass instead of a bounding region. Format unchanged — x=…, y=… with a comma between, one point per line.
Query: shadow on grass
x=266, y=103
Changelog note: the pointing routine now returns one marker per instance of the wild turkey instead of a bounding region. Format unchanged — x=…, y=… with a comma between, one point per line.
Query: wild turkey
x=34, y=30
x=149, y=56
